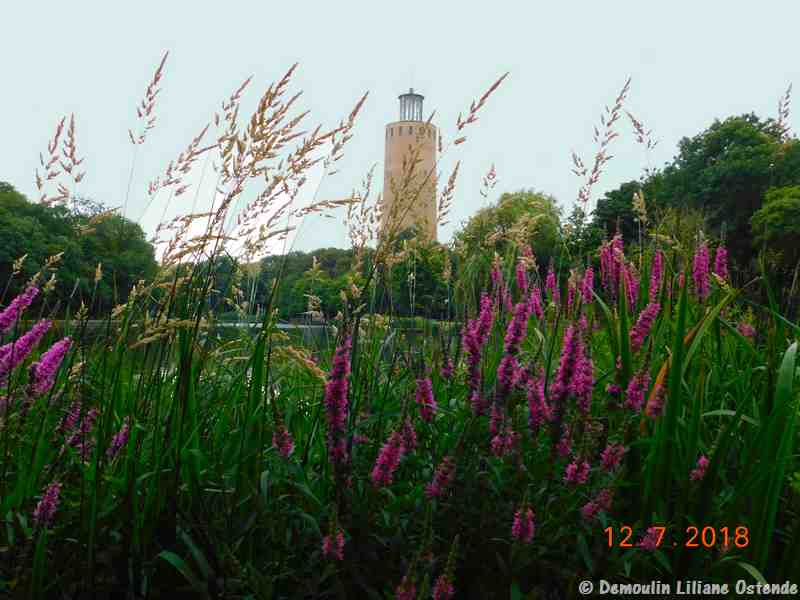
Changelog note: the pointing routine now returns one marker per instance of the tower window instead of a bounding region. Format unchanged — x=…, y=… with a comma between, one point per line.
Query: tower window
x=410, y=130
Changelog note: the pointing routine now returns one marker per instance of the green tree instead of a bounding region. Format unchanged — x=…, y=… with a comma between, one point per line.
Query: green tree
x=776, y=226
x=42, y=231
x=525, y=216
x=725, y=171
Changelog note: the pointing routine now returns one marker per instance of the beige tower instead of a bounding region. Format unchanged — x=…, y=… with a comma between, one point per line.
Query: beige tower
x=409, y=196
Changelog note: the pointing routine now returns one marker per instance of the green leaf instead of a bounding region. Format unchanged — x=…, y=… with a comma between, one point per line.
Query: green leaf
x=753, y=571
x=184, y=569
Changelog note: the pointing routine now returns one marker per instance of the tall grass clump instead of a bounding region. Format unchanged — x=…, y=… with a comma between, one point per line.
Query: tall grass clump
x=542, y=435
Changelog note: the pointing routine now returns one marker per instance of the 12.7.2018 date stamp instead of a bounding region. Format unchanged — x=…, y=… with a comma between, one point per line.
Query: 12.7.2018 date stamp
x=658, y=536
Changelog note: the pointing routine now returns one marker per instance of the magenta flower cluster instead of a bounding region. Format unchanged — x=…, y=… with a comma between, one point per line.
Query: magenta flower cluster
x=577, y=473
x=538, y=410
x=475, y=335
x=551, y=285
x=611, y=261
x=46, y=508
x=388, y=460
x=43, y=372
x=443, y=588
x=643, y=325
x=587, y=286
x=120, y=439
x=611, y=456
x=700, y=470
x=637, y=388
x=78, y=437
x=12, y=312
x=442, y=478
x=13, y=353
x=656, y=272
x=536, y=302
x=407, y=590
x=336, y=406
x=655, y=405
x=649, y=540
x=503, y=443
x=333, y=546
x=700, y=271
x=425, y=399
x=721, y=262
x=282, y=440
x=523, y=527
x=601, y=502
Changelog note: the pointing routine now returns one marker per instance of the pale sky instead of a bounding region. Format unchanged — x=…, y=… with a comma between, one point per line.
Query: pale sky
x=690, y=62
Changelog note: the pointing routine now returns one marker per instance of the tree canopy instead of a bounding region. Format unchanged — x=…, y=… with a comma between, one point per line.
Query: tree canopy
x=38, y=232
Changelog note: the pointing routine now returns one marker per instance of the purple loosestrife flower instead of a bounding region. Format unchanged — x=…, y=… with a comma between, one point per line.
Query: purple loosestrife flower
x=589, y=510
x=505, y=376
x=478, y=403
x=388, y=460
x=522, y=278
x=523, y=526
x=566, y=366
x=517, y=328
x=409, y=436
x=721, y=262
x=700, y=271
x=582, y=380
x=656, y=271
x=333, y=546
x=80, y=437
x=700, y=470
x=13, y=353
x=43, y=373
x=587, y=286
x=425, y=399
x=503, y=443
x=643, y=325
x=564, y=447
x=612, y=256
x=655, y=405
x=447, y=369
x=649, y=540
x=476, y=334
x=71, y=419
x=536, y=302
x=120, y=439
x=746, y=330
x=496, y=275
x=577, y=473
x=551, y=285
x=407, y=590
x=336, y=403
x=538, y=411
x=520, y=378
x=634, y=395
x=508, y=305
x=46, y=508
x=12, y=312
x=496, y=419
x=282, y=440
x=612, y=456
x=631, y=280
x=442, y=478
x=602, y=502
x=443, y=588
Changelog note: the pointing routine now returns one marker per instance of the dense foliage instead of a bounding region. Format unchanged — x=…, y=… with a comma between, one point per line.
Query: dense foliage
x=85, y=237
